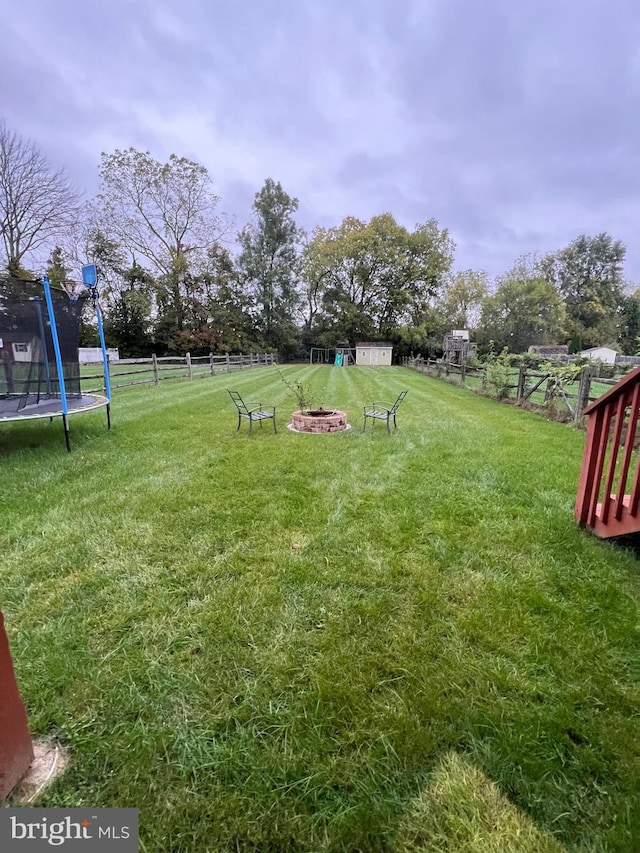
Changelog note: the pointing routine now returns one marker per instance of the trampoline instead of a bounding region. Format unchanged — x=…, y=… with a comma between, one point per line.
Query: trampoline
x=51, y=408
x=39, y=365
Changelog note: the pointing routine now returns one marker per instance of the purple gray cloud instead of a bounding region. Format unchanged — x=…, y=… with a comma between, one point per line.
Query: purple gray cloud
x=514, y=124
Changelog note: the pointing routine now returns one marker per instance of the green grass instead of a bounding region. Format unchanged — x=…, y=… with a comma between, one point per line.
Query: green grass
x=324, y=643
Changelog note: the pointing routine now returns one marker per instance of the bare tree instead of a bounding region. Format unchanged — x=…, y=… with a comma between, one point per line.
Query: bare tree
x=164, y=214
x=37, y=202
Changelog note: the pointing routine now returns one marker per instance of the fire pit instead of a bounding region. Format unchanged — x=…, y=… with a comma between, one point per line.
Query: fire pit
x=318, y=420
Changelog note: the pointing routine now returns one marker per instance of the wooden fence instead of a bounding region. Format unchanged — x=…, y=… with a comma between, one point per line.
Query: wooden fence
x=140, y=371
x=524, y=383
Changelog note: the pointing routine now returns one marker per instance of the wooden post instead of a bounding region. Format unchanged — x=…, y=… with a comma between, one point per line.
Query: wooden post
x=228, y=363
x=16, y=748
x=156, y=374
x=584, y=388
x=189, y=368
x=522, y=381
x=211, y=368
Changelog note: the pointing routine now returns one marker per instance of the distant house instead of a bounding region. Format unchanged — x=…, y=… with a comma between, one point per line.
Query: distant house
x=18, y=346
x=372, y=354
x=605, y=354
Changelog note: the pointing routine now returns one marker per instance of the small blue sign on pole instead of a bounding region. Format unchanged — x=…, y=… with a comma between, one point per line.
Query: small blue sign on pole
x=89, y=275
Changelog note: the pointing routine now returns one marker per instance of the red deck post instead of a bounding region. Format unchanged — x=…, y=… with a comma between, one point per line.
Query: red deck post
x=16, y=748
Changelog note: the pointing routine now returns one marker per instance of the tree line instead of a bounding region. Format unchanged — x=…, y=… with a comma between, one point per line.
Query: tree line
x=176, y=276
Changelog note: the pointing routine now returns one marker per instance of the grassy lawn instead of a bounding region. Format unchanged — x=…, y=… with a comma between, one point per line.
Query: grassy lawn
x=353, y=642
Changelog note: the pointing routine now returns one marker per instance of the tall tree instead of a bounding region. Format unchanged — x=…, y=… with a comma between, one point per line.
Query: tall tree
x=166, y=215
x=37, y=202
x=269, y=262
x=230, y=323
x=461, y=301
x=629, y=322
x=128, y=324
x=374, y=276
x=524, y=310
x=57, y=270
x=588, y=275
x=126, y=290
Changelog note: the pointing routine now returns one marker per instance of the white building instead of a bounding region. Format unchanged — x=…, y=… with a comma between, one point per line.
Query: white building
x=601, y=354
x=372, y=355
x=93, y=355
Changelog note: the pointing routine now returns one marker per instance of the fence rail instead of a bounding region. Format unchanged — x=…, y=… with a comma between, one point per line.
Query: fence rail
x=570, y=396
x=158, y=369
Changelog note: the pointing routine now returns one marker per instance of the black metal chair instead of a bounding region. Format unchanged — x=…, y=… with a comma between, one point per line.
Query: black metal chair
x=383, y=411
x=255, y=413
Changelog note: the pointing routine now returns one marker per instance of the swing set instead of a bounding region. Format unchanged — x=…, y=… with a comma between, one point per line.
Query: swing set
x=339, y=357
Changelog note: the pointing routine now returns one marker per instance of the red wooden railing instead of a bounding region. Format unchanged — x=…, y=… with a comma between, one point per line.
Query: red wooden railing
x=610, y=455
x=16, y=749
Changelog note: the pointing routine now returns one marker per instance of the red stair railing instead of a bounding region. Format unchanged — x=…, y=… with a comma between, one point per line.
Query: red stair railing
x=610, y=453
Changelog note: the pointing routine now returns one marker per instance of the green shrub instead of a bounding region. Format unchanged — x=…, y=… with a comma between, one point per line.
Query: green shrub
x=497, y=374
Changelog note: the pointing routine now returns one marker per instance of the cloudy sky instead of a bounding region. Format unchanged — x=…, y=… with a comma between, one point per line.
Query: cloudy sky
x=515, y=124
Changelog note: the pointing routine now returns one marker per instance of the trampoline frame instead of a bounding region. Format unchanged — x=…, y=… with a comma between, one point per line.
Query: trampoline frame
x=74, y=405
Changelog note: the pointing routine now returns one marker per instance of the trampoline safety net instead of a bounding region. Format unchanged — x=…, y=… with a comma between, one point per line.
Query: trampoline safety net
x=28, y=370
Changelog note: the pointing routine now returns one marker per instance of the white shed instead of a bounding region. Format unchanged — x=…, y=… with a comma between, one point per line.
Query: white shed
x=93, y=355
x=372, y=354
x=605, y=354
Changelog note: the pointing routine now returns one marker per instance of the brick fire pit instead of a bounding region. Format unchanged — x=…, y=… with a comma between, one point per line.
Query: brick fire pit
x=318, y=420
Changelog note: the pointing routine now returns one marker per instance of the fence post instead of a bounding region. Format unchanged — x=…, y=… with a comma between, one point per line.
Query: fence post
x=189, y=369
x=228, y=362
x=156, y=374
x=522, y=381
x=211, y=370
x=583, y=392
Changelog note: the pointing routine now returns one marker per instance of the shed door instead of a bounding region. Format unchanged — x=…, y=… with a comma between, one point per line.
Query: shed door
x=373, y=356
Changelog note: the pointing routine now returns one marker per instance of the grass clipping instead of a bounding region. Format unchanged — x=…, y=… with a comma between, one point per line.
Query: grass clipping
x=463, y=810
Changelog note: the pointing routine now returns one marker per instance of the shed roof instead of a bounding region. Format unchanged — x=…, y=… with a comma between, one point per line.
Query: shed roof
x=549, y=349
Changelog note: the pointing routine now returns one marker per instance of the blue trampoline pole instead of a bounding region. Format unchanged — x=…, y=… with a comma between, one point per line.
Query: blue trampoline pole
x=58, y=354
x=105, y=358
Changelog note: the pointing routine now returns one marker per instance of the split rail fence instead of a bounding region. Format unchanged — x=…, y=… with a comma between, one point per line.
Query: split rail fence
x=524, y=384
x=140, y=371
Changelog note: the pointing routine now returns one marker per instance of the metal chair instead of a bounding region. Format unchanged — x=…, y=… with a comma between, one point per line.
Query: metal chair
x=255, y=413
x=383, y=411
